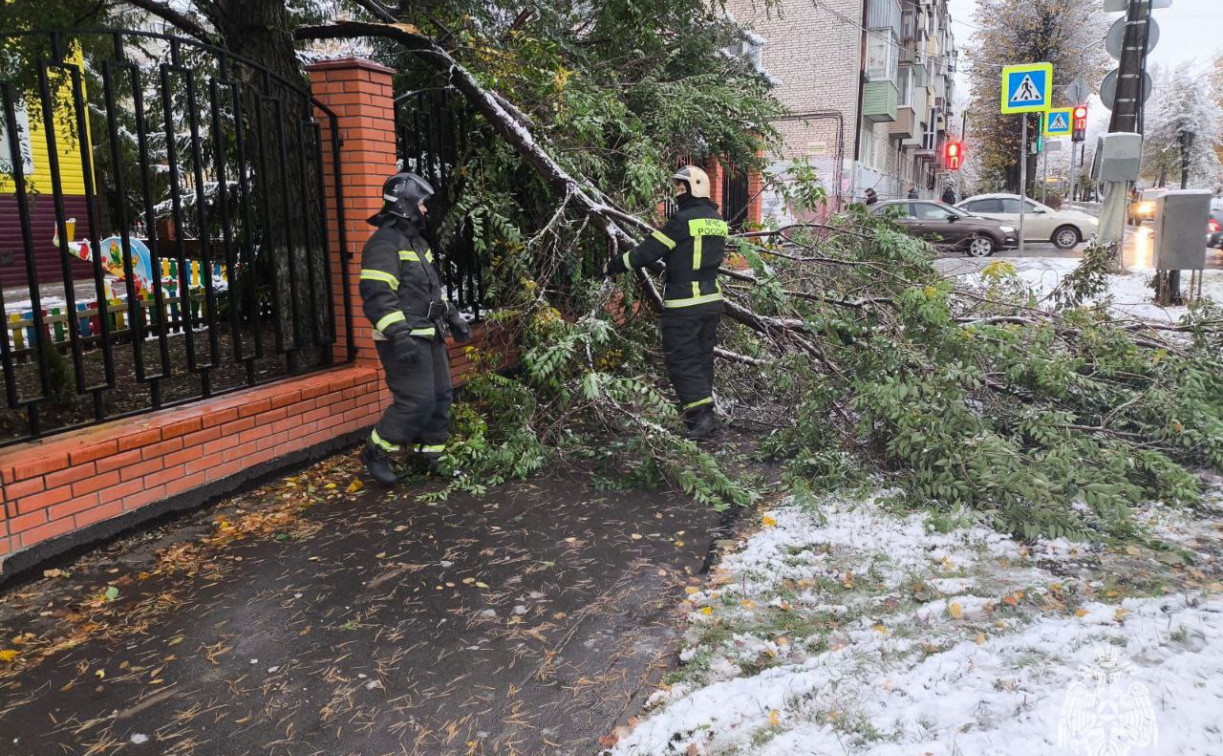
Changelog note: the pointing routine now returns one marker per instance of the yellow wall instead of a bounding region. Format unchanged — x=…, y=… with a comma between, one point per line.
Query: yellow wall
x=68, y=148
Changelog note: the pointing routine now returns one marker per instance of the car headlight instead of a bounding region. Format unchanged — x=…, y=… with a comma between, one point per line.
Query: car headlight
x=1007, y=229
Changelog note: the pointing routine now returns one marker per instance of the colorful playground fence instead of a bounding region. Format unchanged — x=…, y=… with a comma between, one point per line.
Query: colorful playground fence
x=22, y=334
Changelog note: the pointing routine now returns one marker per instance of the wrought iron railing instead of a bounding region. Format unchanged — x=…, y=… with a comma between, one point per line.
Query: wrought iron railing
x=163, y=227
x=431, y=129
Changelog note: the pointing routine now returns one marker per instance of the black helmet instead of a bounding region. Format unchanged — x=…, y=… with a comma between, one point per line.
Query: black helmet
x=401, y=194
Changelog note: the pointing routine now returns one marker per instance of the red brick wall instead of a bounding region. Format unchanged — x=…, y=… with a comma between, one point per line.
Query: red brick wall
x=74, y=480
x=112, y=476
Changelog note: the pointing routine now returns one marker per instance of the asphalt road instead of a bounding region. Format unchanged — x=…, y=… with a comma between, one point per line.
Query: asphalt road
x=1214, y=257
x=307, y=617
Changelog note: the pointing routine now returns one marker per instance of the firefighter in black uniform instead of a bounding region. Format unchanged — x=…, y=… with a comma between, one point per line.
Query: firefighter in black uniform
x=692, y=244
x=401, y=294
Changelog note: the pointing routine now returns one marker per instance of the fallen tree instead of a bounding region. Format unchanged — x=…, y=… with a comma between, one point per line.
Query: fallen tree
x=856, y=361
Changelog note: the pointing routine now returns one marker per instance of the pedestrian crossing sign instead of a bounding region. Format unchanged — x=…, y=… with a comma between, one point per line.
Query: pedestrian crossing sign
x=1027, y=88
x=1059, y=122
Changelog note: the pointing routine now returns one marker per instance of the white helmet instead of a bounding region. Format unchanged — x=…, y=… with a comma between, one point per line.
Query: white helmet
x=698, y=180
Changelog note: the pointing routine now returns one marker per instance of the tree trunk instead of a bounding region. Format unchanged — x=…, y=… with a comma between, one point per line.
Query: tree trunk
x=262, y=32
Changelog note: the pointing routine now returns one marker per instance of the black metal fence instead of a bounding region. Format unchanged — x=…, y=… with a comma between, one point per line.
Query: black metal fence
x=735, y=197
x=431, y=129
x=163, y=227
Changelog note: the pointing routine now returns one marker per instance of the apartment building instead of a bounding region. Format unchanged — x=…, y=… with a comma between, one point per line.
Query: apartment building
x=869, y=85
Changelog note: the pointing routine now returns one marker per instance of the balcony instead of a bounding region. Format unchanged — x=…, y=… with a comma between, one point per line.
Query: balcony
x=879, y=102
x=904, y=125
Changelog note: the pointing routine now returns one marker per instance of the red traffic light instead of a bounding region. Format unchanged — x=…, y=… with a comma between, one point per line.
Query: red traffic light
x=953, y=155
x=1080, y=124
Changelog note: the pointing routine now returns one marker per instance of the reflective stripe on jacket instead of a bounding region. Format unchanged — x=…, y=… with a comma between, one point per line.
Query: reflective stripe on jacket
x=398, y=283
x=692, y=242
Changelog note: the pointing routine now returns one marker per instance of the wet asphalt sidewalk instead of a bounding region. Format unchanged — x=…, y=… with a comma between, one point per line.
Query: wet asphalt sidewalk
x=309, y=618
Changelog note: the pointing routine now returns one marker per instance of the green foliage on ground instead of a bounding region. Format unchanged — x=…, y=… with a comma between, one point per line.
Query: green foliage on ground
x=1044, y=418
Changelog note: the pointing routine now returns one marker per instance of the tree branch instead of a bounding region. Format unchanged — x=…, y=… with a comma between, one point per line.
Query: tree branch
x=377, y=10
x=176, y=19
x=518, y=135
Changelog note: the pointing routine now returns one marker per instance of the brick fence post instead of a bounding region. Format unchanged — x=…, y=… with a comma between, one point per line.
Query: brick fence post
x=755, y=203
x=715, y=170
x=361, y=96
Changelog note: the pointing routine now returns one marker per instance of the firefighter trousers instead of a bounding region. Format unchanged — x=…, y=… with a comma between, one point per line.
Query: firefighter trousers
x=689, y=335
x=419, y=416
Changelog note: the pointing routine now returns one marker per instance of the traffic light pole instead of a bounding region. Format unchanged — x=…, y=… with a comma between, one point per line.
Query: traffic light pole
x=1023, y=182
x=1044, y=175
x=1126, y=109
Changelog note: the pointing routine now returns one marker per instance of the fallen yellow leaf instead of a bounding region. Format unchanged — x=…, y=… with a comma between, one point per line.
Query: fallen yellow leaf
x=690, y=590
x=355, y=486
x=704, y=610
x=482, y=585
x=881, y=629
x=955, y=610
x=1081, y=613
x=980, y=638
x=8, y=655
x=679, y=543
x=768, y=522
x=774, y=718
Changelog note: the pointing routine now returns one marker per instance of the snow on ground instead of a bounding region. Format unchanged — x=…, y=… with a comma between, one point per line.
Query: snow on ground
x=1131, y=293
x=854, y=630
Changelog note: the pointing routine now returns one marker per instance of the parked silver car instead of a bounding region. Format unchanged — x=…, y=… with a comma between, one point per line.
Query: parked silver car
x=1064, y=228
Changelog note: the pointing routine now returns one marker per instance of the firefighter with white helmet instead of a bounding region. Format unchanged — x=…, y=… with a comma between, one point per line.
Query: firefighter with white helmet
x=402, y=296
x=692, y=244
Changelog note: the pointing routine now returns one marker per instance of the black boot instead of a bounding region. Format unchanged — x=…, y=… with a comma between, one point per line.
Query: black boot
x=378, y=464
x=705, y=425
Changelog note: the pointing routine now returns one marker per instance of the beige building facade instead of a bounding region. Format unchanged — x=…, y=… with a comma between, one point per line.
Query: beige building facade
x=869, y=85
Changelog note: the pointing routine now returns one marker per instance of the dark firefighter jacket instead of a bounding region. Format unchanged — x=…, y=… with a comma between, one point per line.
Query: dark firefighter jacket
x=399, y=284
x=692, y=243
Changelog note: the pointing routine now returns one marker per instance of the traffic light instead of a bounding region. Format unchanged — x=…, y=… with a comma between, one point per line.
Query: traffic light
x=953, y=155
x=1080, y=123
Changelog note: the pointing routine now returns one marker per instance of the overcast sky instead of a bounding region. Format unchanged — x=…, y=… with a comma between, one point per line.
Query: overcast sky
x=1189, y=30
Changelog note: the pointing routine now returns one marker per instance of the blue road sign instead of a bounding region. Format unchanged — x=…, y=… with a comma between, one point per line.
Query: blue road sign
x=1027, y=88
x=1059, y=122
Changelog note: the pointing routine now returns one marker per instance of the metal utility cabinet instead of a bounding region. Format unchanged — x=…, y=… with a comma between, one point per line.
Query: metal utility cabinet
x=1179, y=240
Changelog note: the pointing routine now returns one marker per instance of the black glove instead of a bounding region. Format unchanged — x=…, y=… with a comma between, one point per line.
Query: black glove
x=459, y=327
x=404, y=346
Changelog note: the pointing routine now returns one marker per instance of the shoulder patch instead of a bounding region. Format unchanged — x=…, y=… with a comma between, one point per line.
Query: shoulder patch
x=708, y=227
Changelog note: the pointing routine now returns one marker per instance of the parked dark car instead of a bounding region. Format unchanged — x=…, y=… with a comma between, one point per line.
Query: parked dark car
x=940, y=223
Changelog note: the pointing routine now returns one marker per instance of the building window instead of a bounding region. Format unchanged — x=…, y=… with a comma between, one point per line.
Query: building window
x=882, y=55
x=868, y=143
x=930, y=137
x=905, y=83
x=23, y=139
x=908, y=24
